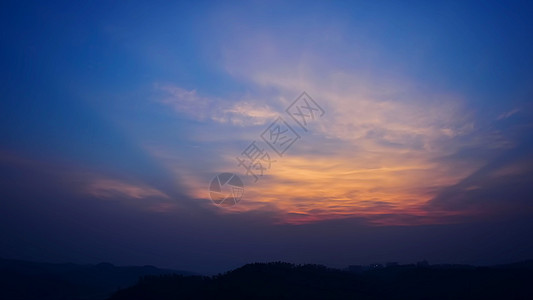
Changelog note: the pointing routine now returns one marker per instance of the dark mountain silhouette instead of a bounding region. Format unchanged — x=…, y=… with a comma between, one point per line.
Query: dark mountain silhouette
x=40, y=281
x=287, y=281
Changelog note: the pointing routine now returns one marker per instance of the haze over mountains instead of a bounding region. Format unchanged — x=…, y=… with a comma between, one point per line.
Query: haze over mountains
x=277, y=280
x=35, y=280
x=288, y=281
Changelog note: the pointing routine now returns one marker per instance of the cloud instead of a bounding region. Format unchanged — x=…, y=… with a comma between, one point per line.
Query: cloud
x=383, y=148
x=128, y=192
x=186, y=102
x=388, y=144
x=110, y=188
x=67, y=182
x=501, y=187
x=508, y=114
x=248, y=113
x=240, y=113
x=374, y=153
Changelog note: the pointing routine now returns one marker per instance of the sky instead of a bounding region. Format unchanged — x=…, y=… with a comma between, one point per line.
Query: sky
x=415, y=141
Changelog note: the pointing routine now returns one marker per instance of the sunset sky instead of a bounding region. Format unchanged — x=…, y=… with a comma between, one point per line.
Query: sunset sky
x=115, y=116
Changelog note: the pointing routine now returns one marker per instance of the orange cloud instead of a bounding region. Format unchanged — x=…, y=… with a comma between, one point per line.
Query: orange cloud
x=378, y=152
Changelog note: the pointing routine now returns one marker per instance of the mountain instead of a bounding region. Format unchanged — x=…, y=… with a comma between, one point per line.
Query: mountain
x=287, y=281
x=42, y=281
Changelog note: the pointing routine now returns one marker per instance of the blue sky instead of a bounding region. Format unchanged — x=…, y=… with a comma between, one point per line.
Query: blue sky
x=114, y=113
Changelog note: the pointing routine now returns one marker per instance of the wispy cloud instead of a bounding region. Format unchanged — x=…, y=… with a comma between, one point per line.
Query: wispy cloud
x=387, y=146
x=508, y=114
x=82, y=183
x=111, y=188
x=192, y=105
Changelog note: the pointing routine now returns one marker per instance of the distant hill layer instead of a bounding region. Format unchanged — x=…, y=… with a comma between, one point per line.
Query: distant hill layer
x=288, y=281
x=41, y=281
